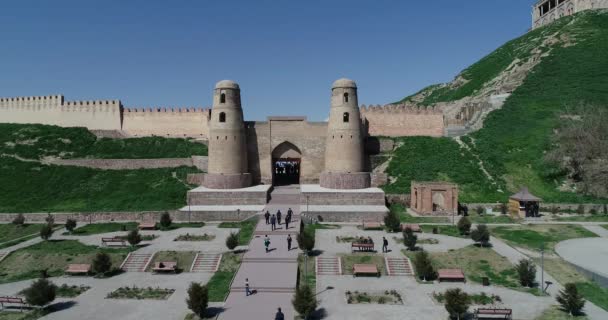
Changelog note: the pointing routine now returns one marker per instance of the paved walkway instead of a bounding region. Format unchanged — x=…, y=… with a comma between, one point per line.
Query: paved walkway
x=599, y=230
x=272, y=274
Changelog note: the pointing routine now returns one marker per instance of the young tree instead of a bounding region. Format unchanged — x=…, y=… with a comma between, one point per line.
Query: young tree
x=457, y=303
x=410, y=239
x=580, y=209
x=19, y=220
x=46, y=231
x=306, y=241
x=554, y=210
x=504, y=209
x=50, y=219
x=232, y=241
x=40, y=293
x=70, y=225
x=198, y=298
x=570, y=300
x=527, y=273
x=392, y=222
x=424, y=266
x=479, y=210
x=464, y=225
x=165, y=220
x=605, y=209
x=304, y=301
x=134, y=237
x=481, y=235
x=102, y=263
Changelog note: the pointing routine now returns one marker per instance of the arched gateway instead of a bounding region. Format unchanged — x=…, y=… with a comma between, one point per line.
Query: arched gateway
x=286, y=160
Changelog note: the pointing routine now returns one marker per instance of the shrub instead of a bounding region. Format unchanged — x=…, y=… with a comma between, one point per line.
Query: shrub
x=392, y=222
x=40, y=293
x=456, y=303
x=232, y=241
x=19, y=220
x=50, y=219
x=424, y=266
x=481, y=235
x=527, y=273
x=165, y=220
x=479, y=210
x=409, y=239
x=306, y=241
x=593, y=211
x=605, y=209
x=464, y=225
x=134, y=237
x=570, y=300
x=504, y=209
x=581, y=209
x=70, y=225
x=102, y=263
x=198, y=298
x=46, y=231
x=554, y=210
x=304, y=301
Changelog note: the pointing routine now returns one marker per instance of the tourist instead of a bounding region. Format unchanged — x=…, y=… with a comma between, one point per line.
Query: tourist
x=279, y=217
x=384, y=244
x=288, y=242
x=273, y=222
x=279, y=315
x=266, y=243
x=287, y=221
x=267, y=216
x=369, y=240
x=247, y=290
x=289, y=212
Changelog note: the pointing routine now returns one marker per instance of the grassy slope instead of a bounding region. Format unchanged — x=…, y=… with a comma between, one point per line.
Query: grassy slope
x=534, y=236
x=514, y=139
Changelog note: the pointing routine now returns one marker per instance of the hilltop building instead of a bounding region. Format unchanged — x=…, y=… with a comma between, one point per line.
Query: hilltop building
x=547, y=11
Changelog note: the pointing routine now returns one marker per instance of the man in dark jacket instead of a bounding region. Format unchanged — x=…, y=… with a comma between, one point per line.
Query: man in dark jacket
x=279, y=217
x=279, y=315
x=267, y=216
x=273, y=222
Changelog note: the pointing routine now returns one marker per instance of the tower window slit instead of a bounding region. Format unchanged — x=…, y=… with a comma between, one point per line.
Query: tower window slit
x=222, y=98
x=222, y=117
x=346, y=117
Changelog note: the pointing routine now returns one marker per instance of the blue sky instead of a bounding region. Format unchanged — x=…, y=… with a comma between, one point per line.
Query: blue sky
x=284, y=54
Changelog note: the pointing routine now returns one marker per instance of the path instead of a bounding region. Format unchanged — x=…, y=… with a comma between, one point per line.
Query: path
x=599, y=230
x=272, y=274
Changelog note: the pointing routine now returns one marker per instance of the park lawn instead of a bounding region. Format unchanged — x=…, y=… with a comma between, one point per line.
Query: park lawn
x=179, y=225
x=605, y=226
x=311, y=278
x=184, y=259
x=594, y=218
x=408, y=218
x=533, y=236
x=312, y=228
x=54, y=256
x=554, y=313
x=445, y=230
x=488, y=218
x=11, y=234
x=28, y=315
x=97, y=228
x=219, y=284
x=348, y=260
x=246, y=229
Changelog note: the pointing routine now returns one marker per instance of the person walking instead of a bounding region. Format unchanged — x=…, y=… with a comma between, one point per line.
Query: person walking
x=287, y=221
x=384, y=244
x=247, y=290
x=279, y=217
x=289, y=242
x=267, y=216
x=289, y=212
x=279, y=315
x=273, y=222
x=266, y=243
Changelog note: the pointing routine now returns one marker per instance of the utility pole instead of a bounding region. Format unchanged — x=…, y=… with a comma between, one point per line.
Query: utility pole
x=542, y=266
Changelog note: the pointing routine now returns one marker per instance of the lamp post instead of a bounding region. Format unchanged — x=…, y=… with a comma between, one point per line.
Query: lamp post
x=542, y=266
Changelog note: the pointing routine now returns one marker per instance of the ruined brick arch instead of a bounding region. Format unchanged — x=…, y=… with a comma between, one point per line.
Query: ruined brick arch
x=286, y=149
x=438, y=201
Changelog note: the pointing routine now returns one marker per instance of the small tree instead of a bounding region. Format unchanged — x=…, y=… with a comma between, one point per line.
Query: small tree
x=198, y=298
x=392, y=222
x=304, y=301
x=102, y=263
x=479, y=210
x=134, y=237
x=50, y=219
x=593, y=211
x=570, y=300
x=165, y=220
x=554, y=210
x=457, y=303
x=70, y=225
x=232, y=241
x=424, y=266
x=40, y=293
x=464, y=225
x=504, y=209
x=527, y=273
x=306, y=241
x=481, y=235
x=19, y=220
x=410, y=239
x=46, y=231
x=581, y=209
x=605, y=209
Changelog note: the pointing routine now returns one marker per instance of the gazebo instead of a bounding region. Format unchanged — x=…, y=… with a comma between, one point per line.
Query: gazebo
x=524, y=204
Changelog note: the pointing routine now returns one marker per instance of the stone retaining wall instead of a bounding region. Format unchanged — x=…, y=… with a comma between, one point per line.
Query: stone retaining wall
x=93, y=217
x=130, y=164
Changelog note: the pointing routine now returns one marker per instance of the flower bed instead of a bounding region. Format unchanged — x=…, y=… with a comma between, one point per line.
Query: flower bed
x=140, y=293
x=386, y=297
x=478, y=298
x=192, y=237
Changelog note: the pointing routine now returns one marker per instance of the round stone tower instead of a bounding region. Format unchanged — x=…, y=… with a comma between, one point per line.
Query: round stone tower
x=344, y=148
x=227, y=168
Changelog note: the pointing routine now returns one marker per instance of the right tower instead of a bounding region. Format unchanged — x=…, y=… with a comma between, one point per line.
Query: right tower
x=344, y=163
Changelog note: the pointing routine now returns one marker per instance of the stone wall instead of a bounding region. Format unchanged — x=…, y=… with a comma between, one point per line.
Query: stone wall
x=401, y=120
x=94, y=217
x=166, y=122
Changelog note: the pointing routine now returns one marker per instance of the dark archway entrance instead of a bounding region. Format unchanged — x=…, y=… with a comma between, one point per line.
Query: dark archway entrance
x=286, y=160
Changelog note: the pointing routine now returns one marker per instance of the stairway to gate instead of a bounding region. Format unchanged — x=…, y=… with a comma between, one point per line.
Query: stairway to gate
x=398, y=267
x=285, y=195
x=136, y=262
x=206, y=262
x=328, y=266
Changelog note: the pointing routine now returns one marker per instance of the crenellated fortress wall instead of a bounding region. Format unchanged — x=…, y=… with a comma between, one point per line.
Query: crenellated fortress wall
x=403, y=120
x=167, y=122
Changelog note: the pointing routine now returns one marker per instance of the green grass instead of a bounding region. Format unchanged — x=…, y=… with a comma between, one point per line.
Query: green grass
x=350, y=259
x=34, y=141
x=554, y=313
x=310, y=277
x=28, y=315
x=10, y=234
x=179, y=225
x=246, y=229
x=65, y=291
x=312, y=228
x=219, y=284
x=445, y=230
x=533, y=236
x=405, y=217
x=136, y=293
x=184, y=259
x=75, y=189
x=486, y=218
x=596, y=218
x=54, y=256
x=98, y=228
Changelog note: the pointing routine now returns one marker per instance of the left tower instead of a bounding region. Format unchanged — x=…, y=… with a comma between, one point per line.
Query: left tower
x=227, y=167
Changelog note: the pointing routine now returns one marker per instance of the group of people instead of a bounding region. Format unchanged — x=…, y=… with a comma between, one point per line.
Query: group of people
x=267, y=243
x=275, y=219
x=370, y=240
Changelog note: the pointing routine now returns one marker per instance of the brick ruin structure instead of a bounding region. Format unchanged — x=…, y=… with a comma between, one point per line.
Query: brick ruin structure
x=434, y=198
x=546, y=11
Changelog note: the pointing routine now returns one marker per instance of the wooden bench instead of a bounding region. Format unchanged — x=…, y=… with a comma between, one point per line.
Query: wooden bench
x=493, y=313
x=106, y=241
x=165, y=266
x=455, y=275
x=78, y=268
x=414, y=227
x=12, y=300
x=147, y=226
x=371, y=225
x=365, y=269
x=367, y=247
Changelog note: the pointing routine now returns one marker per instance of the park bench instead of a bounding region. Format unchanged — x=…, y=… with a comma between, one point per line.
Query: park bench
x=107, y=241
x=165, y=266
x=365, y=269
x=359, y=246
x=78, y=268
x=12, y=300
x=414, y=227
x=455, y=275
x=493, y=313
x=147, y=225
x=367, y=225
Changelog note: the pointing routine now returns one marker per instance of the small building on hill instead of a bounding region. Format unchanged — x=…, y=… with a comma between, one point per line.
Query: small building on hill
x=524, y=204
x=434, y=197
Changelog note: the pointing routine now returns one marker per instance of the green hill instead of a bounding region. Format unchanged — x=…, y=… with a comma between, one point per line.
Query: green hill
x=515, y=139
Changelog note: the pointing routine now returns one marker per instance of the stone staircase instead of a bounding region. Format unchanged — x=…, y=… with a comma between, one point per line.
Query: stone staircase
x=328, y=266
x=206, y=262
x=398, y=267
x=136, y=262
